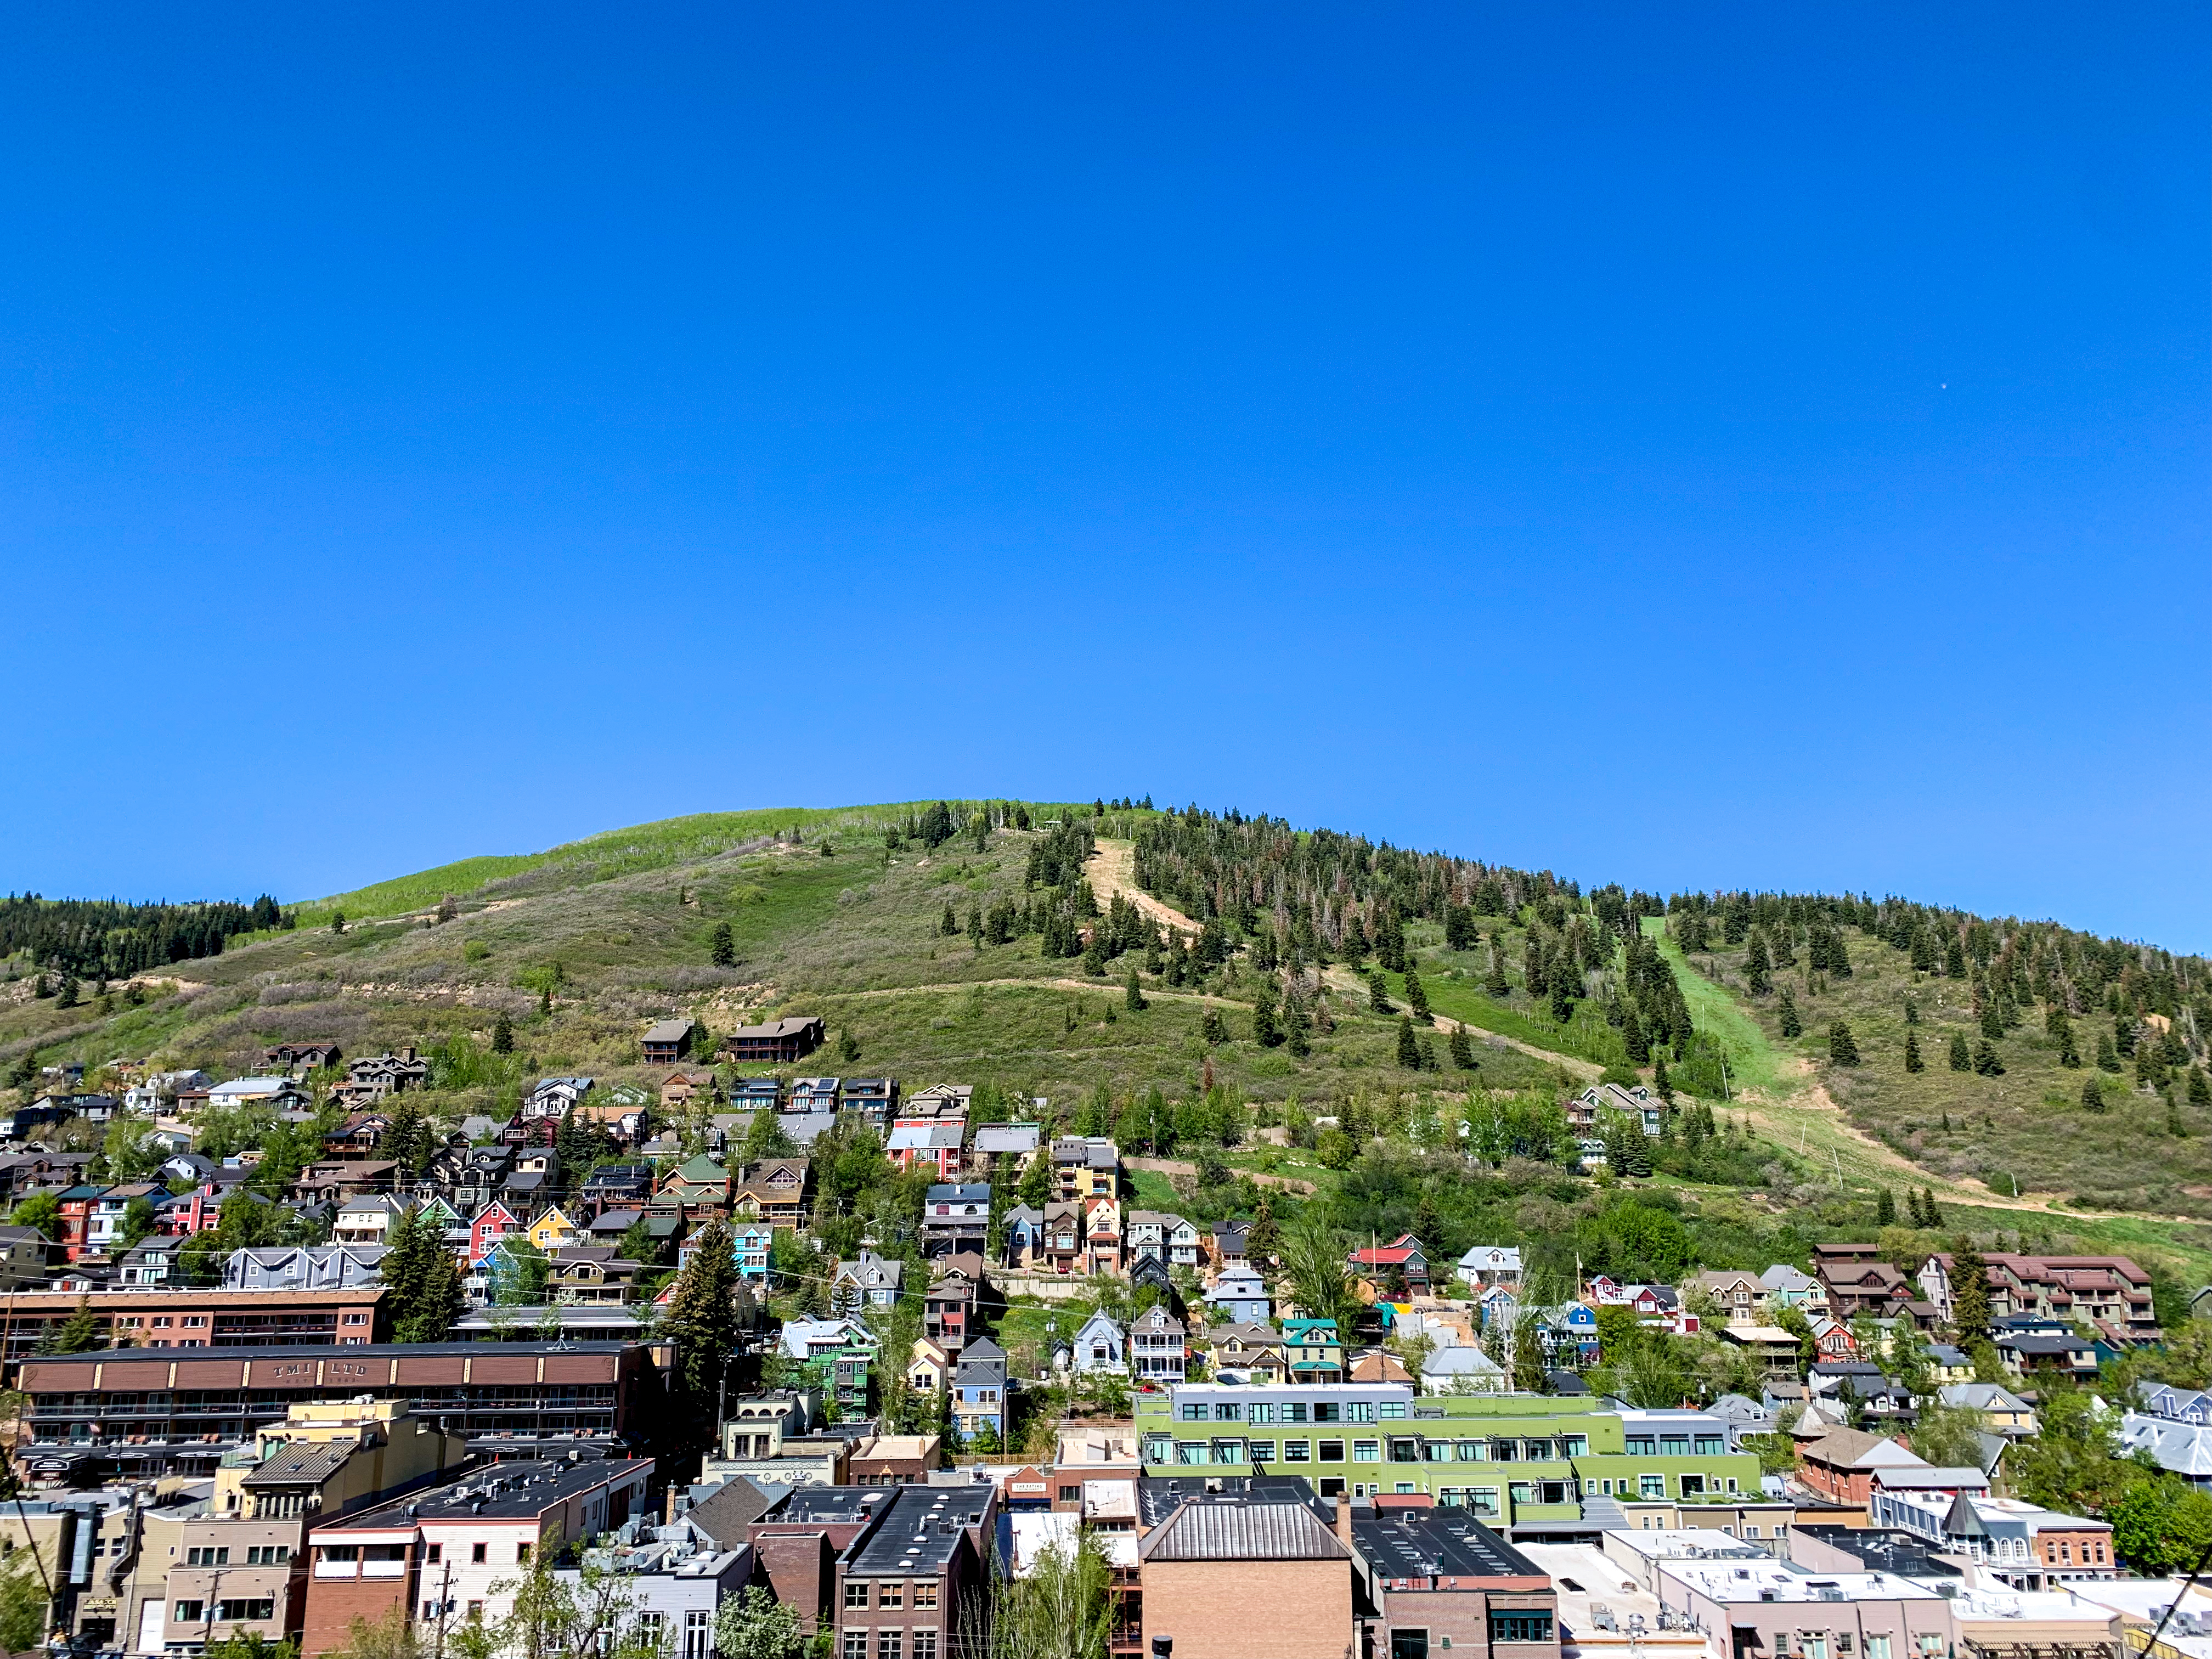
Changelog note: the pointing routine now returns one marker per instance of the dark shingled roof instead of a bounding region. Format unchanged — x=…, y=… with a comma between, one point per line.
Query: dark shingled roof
x=734, y=1506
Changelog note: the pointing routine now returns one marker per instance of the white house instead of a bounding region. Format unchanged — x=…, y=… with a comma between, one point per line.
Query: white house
x=1100, y=1347
x=1461, y=1371
x=1487, y=1265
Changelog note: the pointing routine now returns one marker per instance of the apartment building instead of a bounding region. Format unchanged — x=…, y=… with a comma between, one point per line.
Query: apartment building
x=444, y=1552
x=919, y=1575
x=1439, y=1578
x=2108, y=1292
x=167, y=1318
x=1249, y=1575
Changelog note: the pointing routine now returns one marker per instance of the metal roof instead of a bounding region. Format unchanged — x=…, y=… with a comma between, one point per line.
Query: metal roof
x=1225, y=1528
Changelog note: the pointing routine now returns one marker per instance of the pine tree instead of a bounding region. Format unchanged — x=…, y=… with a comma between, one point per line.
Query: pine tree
x=1912, y=1010
x=723, y=952
x=1409, y=1052
x=703, y=1321
x=1792, y=1026
x=407, y=1141
x=2108, y=1057
x=1659, y=1085
x=1378, y=994
x=1265, y=1031
x=2200, y=1088
x=1462, y=1051
x=1842, y=1050
x=1955, y=958
x=1962, y=1058
x=1992, y=1025
x=1884, y=1208
x=1970, y=1297
x=78, y=1334
x=502, y=1035
x=1417, y=996
x=1757, y=965
x=1986, y=1063
x=1133, y=994
x=424, y=1281
x=1912, y=1061
x=70, y=988
x=1933, y=1216
x=951, y=925
x=1495, y=982
x=1210, y=1028
x=2092, y=1098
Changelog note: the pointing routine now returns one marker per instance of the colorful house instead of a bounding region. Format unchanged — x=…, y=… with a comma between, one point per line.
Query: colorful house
x=1313, y=1350
x=553, y=1230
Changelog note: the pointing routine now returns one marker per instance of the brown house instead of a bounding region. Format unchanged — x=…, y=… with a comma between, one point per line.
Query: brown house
x=1235, y=1577
x=1841, y=1464
x=772, y=1191
x=777, y=1043
x=668, y=1042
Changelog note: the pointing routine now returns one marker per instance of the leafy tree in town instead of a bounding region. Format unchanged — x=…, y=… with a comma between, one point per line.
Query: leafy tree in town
x=1842, y=1049
x=1061, y=1608
x=1962, y=1057
x=765, y=1137
x=1948, y=1436
x=755, y=1626
x=23, y=1601
x=2161, y=1528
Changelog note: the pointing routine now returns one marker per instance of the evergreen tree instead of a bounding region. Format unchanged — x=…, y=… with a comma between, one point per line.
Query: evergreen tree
x=1632, y=1037
x=1378, y=994
x=502, y=1035
x=407, y=1142
x=1912, y=1061
x=1495, y=982
x=2200, y=1088
x=1884, y=1208
x=2092, y=1098
x=1992, y=1025
x=1210, y=1028
x=723, y=952
x=1986, y=1062
x=424, y=1281
x=1417, y=996
x=1757, y=965
x=1933, y=1217
x=1462, y=1051
x=2108, y=1057
x=1842, y=1050
x=1955, y=958
x=1659, y=1085
x=338, y=921
x=1133, y=994
x=1912, y=1010
x=704, y=1322
x=70, y=988
x=1355, y=945
x=2124, y=1032
x=950, y=925
x=1792, y=1026
x=78, y=1334
x=1265, y=1031
x=1297, y=1027
x=976, y=926
x=1409, y=1051
x=1970, y=1297
x=1962, y=1058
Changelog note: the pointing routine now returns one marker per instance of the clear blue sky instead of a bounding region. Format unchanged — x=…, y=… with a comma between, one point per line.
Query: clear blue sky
x=1688, y=445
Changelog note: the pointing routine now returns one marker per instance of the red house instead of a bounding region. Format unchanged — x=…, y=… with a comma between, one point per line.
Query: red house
x=1400, y=1262
x=490, y=1222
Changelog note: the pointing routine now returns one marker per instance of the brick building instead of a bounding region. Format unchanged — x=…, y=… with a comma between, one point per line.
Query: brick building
x=1436, y=1578
x=1287, y=1596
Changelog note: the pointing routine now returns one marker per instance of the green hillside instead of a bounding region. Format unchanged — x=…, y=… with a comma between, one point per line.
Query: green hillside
x=1265, y=1000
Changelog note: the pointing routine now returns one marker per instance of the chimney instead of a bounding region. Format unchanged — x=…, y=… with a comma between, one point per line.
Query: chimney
x=1340, y=1517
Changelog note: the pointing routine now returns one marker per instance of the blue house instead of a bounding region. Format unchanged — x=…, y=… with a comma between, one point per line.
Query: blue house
x=1568, y=1332
x=749, y=1246
x=979, y=1389
x=1021, y=1231
x=1239, y=1296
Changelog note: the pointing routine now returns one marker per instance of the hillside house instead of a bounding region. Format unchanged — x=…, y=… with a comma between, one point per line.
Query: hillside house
x=2110, y=1293
x=1240, y=1297
x=699, y=1181
x=773, y=1192
x=1085, y=1167
x=875, y=1098
x=777, y=1043
x=1157, y=1356
x=948, y=1311
x=1100, y=1345
x=1252, y=1351
x=680, y=1088
x=931, y=1146
x=1488, y=1265
x=1395, y=1270
x=956, y=1219
x=302, y=1057
x=868, y=1280
x=594, y=1275
x=814, y=1094
x=668, y=1040
x=1101, y=1238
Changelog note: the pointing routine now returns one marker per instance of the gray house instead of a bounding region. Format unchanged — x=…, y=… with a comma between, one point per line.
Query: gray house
x=303, y=1267
x=1099, y=1346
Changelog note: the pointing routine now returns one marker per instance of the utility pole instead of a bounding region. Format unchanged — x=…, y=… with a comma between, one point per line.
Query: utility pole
x=445, y=1603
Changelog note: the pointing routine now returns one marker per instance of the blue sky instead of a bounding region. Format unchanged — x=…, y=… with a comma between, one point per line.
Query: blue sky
x=1720, y=446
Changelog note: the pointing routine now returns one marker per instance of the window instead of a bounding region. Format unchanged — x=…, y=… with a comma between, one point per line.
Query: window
x=1409, y=1644
x=925, y=1597
x=698, y=1633
x=1693, y=1485
x=856, y=1644
x=1359, y=1411
x=1751, y=1529
x=1575, y=1445
x=435, y=1553
x=1193, y=1451
x=1842, y=1641
x=1813, y=1643
x=1191, y=1412
x=1227, y=1411
x=1520, y=1627
x=1327, y=1410
x=1712, y=1445
x=1367, y=1451
x=1438, y=1451
x=1332, y=1451
x=1263, y=1451
x=268, y=1555
x=230, y=1611
x=1298, y=1451
x=478, y=1554
x=856, y=1593
x=891, y=1595
x=1263, y=1411
x=1522, y=1492
x=1674, y=1445
x=188, y=1613
x=1294, y=1411
x=888, y=1643
x=1405, y=1451
x=1393, y=1408
x=207, y=1557
x=1642, y=1445
x=1877, y=1647
x=1537, y=1451
x=194, y=1322
x=1332, y=1486
x=521, y=1553
x=1651, y=1486
x=924, y=1644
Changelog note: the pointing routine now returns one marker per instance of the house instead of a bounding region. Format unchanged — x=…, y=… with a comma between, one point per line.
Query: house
x=1226, y=1246
x=1021, y=1234
x=956, y=1219
x=1060, y=1245
x=939, y=1103
x=931, y=1146
x=814, y=1094
x=1395, y=1270
x=1240, y=1295
x=919, y=1565
x=1832, y=1340
x=595, y=1275
x=1154, y=1234
x=1313, y=1350
x=875, y=1098
x=1156, y=1354
x=996, y=1144
x=928, y=1366
x=777, y=1043
x=757, y=1094
x=840, y=1352
x=749, y=1244
x=1292, y=1576
x=868, y=1280
x=668, y=1042
x=1741, y=1297
x=1085, y=1167
x=772, y=1191
x=552, y=1231
x=302, y=1057
x=1858, y=1281
x=368, y=1219
x=303, y=1267
x=979, y=1390
x=1488, y=1265
x=1377, y=1365
x=1459, y=1369
x=804, y=1128
x=1840, y=1463
x=1568, y=1332
x=2051, y=1348
x=1251, y=1351
x=948, y=1310
x=682, y=1088
x=279, y=1093
x=615, y=1186
x=491, y=1222
x=1585, y=1111
x=1787, y=1287
x=1101, y=1238
x=1101, y=1345
x=698, y=1181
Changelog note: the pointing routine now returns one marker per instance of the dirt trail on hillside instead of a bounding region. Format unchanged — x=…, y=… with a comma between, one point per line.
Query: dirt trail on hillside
x=1112, y=869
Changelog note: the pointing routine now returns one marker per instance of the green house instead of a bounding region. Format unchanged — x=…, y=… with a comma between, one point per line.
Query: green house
x=1313, y=1352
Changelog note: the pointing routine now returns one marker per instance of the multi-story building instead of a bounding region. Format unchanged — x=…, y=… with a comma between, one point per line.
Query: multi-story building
x=917, y=1578
x=238, y=1563
x=948, y=1308
x=459, y=1552
x=1085, y=1167
x=185, y=1318
x=1439, y=1578
x=1157, y=1356
x=1561, y=1459
x=956, y=1219
x=182, y=1415
x=2108, y=1292
x=1247, y=1575
x=668, y=1591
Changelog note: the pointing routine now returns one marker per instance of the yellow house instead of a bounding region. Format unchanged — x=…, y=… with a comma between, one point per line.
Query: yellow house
x=553, y=1230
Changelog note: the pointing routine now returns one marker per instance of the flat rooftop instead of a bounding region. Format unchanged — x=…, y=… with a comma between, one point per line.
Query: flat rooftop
x=920, y=1533
x=507, y=1492
x=1417, y=1544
